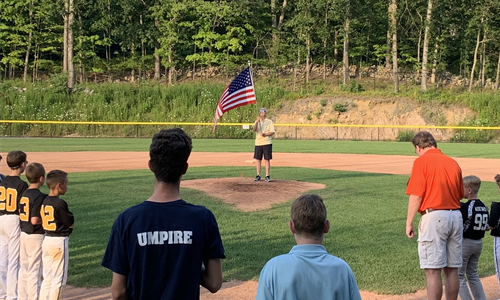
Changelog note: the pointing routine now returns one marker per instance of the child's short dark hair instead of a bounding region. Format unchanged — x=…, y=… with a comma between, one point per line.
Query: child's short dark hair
x=54, y=177
x=424, y=139
x=168, y=153
x=497, y=179
x=34, y=172
x=308, y=215
x=15, y=159
x=472, y=182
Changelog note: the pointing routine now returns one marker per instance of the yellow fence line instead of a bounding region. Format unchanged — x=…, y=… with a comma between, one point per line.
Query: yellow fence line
x=250, y=124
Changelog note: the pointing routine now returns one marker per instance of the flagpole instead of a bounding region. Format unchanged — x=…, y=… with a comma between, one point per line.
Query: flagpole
x=251, y=77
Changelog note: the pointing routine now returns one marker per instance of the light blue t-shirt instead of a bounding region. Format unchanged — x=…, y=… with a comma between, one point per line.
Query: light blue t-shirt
x=307, y=272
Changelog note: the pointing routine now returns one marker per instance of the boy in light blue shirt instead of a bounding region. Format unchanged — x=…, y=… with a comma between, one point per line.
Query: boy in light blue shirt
x=307, y=271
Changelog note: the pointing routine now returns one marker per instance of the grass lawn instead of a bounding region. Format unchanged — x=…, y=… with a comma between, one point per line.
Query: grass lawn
x=245, y=145
x=367, y=213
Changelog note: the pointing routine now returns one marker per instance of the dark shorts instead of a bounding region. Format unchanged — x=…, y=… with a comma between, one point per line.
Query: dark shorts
x=267, y=150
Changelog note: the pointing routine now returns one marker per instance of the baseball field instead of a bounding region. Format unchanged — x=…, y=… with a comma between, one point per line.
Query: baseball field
x=362, y=184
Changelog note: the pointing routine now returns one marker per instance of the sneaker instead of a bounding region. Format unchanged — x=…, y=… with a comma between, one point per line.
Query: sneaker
x=257, y=178
x=268, y=179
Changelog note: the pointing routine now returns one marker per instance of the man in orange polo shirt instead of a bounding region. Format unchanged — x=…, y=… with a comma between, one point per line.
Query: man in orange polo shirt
x=435, y=188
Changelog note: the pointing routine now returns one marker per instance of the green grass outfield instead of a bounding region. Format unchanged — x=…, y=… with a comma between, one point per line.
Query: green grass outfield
x=367, y=212
x=245, y=145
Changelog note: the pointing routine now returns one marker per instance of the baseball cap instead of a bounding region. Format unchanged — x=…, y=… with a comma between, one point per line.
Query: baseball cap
x=263, y=109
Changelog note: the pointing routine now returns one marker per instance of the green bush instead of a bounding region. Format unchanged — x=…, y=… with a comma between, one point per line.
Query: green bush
x=339, y=107
x=405, y=136
x=356, y=87
x=318, y=90
x=474, y=136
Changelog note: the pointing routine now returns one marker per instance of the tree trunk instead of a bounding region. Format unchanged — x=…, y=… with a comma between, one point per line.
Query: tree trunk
x=324, y=60
x=471, y=82
x=419, y=46
x=30, y=35
x=335, y=45
x=483, y=61
x=308, y=56
x=274, y=35
x=157, y=63
x=170, y=66
x=295, y=69
x=388, y=39
x=132, y=54
x=324, y=47
x=65, y=36
x=143, y=54
x=282, y=15
x=393, y=8
x=497, y=83
x=425, y=55
x=346, y=50
x=71, y=70
x=35, y=63
x=435, y=62
x=194, y=64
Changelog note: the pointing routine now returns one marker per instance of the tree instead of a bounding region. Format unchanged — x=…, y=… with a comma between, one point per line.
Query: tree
x=393, y=7
x=425, y=55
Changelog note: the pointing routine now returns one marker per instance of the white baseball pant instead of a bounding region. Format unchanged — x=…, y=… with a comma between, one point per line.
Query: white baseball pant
x=30, y=271
x=9, y=256
x=55, y=257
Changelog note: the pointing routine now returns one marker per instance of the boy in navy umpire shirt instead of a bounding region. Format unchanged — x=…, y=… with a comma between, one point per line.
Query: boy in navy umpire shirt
x=165, y=248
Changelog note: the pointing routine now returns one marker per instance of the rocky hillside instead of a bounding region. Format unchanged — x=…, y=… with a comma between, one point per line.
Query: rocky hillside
x=358, y=110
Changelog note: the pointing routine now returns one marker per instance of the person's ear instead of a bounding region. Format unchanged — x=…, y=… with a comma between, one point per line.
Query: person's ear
x=327, y=226
x=149, y=165
x=292, y=228
x=185, y=169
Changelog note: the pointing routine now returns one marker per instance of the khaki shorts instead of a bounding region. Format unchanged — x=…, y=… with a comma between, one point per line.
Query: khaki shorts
x=440, y=239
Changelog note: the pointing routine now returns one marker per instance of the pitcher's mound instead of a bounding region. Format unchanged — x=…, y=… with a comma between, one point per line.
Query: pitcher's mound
x=249, y=195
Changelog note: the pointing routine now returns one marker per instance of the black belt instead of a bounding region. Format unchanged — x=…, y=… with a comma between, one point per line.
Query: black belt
x=428, y=210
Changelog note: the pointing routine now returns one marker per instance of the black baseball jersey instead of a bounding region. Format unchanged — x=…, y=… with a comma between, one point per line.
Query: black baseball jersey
x=56, y=217
x=495, y=219
x=11, y=191
x=475, y=216
x=29, y=207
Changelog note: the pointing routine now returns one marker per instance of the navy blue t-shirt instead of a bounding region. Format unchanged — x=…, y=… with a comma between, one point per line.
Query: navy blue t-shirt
x=160, y=247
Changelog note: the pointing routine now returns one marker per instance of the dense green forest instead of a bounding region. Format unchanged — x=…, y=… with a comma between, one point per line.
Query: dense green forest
x=168, y=40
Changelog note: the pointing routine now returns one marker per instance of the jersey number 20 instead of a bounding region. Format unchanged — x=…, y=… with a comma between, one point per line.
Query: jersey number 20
x=8, y=199
x=47, y=213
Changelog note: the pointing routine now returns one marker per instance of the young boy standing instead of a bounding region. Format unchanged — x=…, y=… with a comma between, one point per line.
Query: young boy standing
x=495, y=230
x=475, y=218
x=157, y=248
x=57, y=222
x=11, y=191
x=30, y=256
x=307, y=272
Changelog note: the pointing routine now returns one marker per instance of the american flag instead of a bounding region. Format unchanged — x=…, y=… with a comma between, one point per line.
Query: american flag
x=238, y=93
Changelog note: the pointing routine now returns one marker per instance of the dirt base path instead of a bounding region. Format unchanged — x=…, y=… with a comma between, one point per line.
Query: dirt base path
x=486, y=169
x=238, y=290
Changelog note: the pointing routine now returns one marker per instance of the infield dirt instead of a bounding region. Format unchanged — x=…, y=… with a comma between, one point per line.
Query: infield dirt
x=238, y=290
